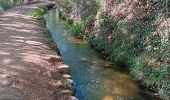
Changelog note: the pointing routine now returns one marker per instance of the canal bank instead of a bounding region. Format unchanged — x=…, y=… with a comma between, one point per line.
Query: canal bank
x=131, y=32
x=94, y=78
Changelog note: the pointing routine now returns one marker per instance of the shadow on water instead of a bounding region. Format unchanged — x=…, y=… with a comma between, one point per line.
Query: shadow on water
x=94, y=78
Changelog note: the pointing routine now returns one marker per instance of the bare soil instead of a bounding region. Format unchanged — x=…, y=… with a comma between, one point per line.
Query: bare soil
x=29, y=68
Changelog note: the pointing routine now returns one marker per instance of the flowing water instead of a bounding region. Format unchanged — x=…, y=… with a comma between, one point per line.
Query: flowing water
x=94, y=78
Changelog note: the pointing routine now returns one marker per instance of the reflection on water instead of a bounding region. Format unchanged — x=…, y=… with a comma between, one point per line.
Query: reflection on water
x=94, y=78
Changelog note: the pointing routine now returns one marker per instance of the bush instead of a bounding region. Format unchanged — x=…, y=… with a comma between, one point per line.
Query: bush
x=39, y=12
x=136, y=36
x=61, y=15
x=78, y=29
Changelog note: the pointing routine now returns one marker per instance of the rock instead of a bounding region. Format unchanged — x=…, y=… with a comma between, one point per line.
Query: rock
x=67, y=76
x=64, y=69
x=56, y=75
x=54, y=60
x=70, y=21
x=73, y=98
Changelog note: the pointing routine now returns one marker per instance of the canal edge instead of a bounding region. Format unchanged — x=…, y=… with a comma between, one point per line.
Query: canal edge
x=64, y=69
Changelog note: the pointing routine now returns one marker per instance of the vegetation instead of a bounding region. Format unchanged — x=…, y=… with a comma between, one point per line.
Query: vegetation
x=78, y=29
x=39, y=12
x=61, y=15
x=135, y=33
x=5, y=4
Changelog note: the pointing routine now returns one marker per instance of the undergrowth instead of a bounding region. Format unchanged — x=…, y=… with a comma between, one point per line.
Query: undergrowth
x=139, y=38
x=39, y=12
x=78, y=29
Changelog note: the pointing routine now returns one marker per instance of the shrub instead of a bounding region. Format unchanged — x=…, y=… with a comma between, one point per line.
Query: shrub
x=78, y=29
x=61, y=15
x=135, y=35
x=39, y=12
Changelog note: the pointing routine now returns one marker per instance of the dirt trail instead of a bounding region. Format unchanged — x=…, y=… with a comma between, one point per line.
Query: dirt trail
x=27, y=68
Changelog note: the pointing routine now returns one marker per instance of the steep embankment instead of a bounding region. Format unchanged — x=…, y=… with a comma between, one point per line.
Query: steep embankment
x=29, y=69
x=133, y=32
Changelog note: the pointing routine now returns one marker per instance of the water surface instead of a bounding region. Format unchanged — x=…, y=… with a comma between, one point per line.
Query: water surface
x=94, y=78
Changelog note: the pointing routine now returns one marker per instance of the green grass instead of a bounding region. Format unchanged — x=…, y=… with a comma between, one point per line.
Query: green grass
x=39, y=12
x=61, y=15
x=78, y=29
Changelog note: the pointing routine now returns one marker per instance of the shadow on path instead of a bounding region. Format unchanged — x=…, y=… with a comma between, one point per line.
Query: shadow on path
x=25, y=69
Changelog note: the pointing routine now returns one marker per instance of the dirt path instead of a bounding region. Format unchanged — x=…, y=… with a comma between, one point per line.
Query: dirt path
x=29, y=69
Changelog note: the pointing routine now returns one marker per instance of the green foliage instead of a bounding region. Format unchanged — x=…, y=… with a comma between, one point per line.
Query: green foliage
x=140, y=52
x=78, y=28
x=39, y=12
x=165, y=89
x=140, y=42
x=151, y=75
x=61, y=15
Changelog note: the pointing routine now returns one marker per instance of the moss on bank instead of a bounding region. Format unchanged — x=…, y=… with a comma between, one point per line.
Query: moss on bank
x=49, y=40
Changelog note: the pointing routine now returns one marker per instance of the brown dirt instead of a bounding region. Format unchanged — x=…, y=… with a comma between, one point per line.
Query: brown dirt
x=26, y=69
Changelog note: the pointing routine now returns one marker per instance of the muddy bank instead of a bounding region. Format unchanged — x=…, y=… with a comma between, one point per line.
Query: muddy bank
x=29, y=68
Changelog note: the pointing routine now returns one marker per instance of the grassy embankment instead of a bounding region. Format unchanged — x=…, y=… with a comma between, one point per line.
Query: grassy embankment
x=134, y=33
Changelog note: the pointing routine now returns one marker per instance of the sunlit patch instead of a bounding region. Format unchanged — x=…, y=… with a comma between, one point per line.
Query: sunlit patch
x=78, y=41
x=34, y=42
x=11, y=25
x=120, y=90
x=120, y=85
x=16, y=29
x=8, y=71
x=6, y=61
x=28, y=25
x=4, y=53
x=17, y=40
x=19, y=68
x=11, y=14
x=3, y=79
x=120, y=75
x=66, y=76
x=64, y=66
x=18, y=37
x=85, y=59
x=109, y=98
x=10, y=28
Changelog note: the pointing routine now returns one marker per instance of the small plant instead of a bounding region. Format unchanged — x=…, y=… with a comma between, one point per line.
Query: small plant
x=61, y=15
x=39, y=12
x=78, y=29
